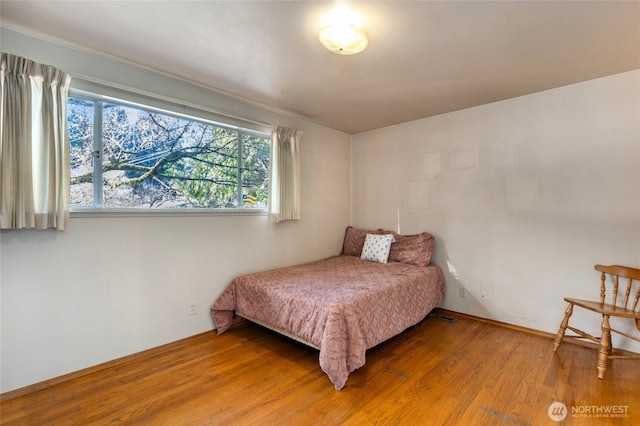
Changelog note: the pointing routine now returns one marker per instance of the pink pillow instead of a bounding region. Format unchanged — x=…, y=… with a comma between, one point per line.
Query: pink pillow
x=354, y=240
x=414, y=249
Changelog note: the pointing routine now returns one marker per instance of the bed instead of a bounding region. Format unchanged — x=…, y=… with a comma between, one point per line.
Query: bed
x=344, y=304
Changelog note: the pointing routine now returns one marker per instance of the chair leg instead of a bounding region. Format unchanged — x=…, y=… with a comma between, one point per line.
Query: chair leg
x=563, y=327
x=605, y=347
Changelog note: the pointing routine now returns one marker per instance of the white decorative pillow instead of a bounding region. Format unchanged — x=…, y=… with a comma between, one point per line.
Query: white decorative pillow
x=376, y=247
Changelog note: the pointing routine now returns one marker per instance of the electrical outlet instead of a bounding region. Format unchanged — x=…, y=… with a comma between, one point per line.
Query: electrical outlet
x=193, y=309
x=462, y=291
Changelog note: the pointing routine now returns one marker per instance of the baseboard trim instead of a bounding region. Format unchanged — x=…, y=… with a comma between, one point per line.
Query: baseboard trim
x=533, y=331
x=99, y=367
x=527, y=330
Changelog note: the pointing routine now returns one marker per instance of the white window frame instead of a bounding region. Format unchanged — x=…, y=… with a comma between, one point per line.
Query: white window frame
x=101, y=93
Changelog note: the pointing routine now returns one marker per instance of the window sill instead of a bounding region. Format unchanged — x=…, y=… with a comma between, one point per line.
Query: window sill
x=94, y=213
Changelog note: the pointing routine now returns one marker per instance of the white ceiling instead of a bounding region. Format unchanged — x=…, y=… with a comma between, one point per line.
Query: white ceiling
x=424, y=57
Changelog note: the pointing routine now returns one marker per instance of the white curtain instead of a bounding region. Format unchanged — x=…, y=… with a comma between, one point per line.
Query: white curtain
x=34, y=145
x=284, y=177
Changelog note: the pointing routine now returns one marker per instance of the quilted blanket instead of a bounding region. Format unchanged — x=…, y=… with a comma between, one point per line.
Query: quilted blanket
x=342, y=305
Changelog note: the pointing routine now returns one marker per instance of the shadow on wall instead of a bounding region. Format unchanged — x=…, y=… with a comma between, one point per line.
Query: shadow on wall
x=458, y=297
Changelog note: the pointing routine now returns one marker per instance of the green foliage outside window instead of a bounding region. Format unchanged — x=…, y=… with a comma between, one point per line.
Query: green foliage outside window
x=146, y=159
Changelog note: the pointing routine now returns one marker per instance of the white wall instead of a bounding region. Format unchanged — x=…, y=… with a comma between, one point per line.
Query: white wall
x=112, y=286
x=524, y=196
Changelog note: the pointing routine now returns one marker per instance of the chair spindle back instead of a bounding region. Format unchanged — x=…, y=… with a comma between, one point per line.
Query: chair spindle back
x=616, y=272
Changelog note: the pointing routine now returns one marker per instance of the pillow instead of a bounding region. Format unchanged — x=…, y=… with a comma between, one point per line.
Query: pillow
x=354, y=240
x=413, y=249
x=376, y=247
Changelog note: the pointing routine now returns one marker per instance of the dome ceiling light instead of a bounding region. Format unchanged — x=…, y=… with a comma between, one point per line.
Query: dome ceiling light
x=343, y=39
x=341, y=35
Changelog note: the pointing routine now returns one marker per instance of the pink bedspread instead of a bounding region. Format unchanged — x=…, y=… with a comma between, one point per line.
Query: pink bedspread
x=342, y=305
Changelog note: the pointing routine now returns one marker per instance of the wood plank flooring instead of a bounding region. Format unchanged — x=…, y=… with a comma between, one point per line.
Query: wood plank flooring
x=467, y=372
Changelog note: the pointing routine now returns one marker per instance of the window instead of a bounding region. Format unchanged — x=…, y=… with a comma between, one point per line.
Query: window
x=124, y=155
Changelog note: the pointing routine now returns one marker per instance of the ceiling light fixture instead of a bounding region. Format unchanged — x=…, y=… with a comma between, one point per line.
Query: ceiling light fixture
x=340, y=32
x=343, y=38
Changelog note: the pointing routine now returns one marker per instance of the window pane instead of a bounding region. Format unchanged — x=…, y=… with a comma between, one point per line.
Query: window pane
x=255, y=171
x=209, y=168
x=151, y=159
x=80, y=115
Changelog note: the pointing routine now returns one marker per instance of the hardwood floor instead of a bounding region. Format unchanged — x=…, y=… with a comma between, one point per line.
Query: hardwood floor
x=467, y=372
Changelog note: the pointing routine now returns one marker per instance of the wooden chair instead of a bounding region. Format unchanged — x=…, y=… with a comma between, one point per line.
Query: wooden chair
x=622, y=305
